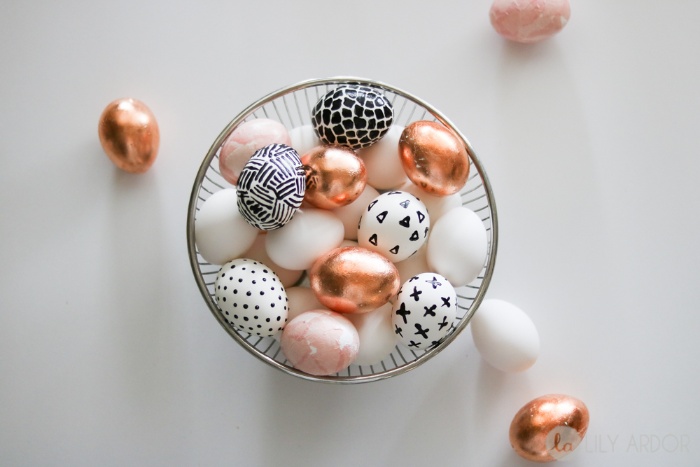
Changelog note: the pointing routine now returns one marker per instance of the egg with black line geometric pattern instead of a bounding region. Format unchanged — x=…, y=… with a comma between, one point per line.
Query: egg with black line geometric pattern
x=251, y=297
x=425, y=310
x=394, y=224
x=352, y=115
x=271, y=187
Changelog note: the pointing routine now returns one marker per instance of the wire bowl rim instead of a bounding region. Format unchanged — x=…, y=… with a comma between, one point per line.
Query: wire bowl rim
x=336, y=379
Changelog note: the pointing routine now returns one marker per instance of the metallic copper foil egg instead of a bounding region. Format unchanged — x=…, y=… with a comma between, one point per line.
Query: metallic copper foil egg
x=549, y=427
x=434, y=158
x=354, y=280
x=335, y=176
x=129, y=135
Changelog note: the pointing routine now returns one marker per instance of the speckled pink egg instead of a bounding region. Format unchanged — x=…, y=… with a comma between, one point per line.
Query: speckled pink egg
x=244, y=141
x=320, y=342
x=529, y=21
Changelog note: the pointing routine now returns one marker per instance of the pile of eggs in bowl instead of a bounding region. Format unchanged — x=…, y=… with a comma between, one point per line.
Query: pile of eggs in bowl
x=343, y=238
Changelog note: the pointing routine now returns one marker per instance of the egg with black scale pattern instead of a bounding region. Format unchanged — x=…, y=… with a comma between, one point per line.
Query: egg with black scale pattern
x=251, y=297
x=425, y=310
x=394, y=224
x=352, y=115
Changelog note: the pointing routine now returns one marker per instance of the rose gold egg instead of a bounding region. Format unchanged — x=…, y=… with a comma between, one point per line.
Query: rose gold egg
x=549, y=427
x=354, y=280
x=434, y=158
x=335, y=176
x=129, y=135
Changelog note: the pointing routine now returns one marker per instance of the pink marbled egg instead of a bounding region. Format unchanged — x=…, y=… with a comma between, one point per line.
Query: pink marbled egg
x=528, y=21
x=320, y=342
x=247, y=138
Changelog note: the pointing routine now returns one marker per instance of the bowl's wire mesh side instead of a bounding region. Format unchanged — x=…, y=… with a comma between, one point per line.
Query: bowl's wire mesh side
x=293, y=109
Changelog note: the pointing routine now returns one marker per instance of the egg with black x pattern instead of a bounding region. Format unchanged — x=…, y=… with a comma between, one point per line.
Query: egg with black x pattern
x=425, y=310
x=251, y=297
x=395, y=224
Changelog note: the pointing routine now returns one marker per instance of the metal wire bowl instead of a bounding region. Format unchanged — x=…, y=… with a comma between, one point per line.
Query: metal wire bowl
x=292, y=106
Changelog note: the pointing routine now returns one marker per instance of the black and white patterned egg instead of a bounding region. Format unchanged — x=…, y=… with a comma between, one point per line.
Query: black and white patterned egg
x=251, y=297
x=395, y=224
x=271, y=187
x=425, y=310
x=352, y=115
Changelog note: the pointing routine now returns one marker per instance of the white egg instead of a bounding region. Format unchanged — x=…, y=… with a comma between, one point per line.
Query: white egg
x=258, y=252
x=310, y=234
x=505, y=336
x=302, y=299
x=251, y=297
x=377, y=337
x=395, y=224
x=457, y=246
x=436, y=205
x=351, y=213
x=220, y=231
x=384, y=168
x=304, y=139
x=425, y=311
x=413, y=265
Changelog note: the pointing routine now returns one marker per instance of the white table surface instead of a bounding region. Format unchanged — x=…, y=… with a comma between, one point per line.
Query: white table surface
x=108, y=355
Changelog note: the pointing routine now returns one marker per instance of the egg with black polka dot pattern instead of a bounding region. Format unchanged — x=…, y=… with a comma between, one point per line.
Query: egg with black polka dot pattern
x=352, y=115
x=251, y=297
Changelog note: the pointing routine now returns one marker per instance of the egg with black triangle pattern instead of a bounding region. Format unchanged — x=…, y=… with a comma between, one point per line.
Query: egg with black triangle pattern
x=394, y=224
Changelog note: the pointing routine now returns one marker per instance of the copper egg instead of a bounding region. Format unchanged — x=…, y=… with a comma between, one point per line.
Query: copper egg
x=549, y=427
x=335, y=176
x=434, y=158
x=354, y=280
x=129, y=135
